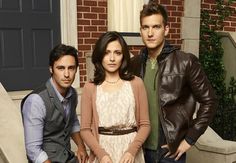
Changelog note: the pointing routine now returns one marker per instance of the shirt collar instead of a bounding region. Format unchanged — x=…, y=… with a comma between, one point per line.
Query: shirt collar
x=60, y=97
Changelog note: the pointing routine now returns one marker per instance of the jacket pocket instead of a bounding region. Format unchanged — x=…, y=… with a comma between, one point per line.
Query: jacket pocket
x=176, y=121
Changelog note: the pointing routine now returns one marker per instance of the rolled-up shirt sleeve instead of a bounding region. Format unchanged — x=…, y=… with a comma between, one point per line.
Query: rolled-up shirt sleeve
x=34, y=113
x=76, y=125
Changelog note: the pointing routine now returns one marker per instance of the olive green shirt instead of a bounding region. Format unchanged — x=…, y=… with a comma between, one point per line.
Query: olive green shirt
x=150, y=82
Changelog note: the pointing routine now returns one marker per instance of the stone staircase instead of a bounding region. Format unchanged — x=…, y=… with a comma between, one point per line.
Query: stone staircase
x=12, y=148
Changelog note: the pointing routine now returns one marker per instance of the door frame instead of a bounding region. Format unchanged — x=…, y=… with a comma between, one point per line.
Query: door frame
x=69, y=28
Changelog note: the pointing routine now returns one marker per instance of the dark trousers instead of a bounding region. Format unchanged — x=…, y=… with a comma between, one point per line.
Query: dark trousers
x=157, y=156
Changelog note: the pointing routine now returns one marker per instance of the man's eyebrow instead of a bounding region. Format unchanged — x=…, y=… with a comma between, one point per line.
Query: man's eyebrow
x=60, y=66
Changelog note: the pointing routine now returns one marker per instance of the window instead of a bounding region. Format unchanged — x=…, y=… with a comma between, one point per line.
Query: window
x=123, y=15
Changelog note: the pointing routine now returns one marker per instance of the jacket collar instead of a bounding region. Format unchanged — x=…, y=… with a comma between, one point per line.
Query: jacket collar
x=167, y=49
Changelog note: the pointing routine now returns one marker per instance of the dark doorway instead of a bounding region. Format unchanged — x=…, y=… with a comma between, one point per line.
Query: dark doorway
x=29, y=29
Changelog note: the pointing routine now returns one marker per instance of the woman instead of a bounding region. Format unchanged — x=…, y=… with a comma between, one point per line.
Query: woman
x=114, y=109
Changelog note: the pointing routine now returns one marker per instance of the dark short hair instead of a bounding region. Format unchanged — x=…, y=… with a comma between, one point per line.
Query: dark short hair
x=61, y=50
x=153, y=7
x=99, y=53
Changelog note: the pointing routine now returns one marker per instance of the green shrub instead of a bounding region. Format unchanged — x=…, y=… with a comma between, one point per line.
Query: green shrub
x=211, y=57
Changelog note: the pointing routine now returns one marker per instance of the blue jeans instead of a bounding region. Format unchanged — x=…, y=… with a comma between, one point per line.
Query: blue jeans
x=157, y=156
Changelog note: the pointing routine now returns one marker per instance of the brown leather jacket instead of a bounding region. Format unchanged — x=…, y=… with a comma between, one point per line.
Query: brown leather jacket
x=181, y=83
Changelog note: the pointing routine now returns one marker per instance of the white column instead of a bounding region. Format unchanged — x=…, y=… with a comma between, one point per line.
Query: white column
x=69, y=28
x=190, y=26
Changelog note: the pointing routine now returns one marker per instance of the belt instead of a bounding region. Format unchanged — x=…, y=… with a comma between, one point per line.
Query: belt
x=110, y=131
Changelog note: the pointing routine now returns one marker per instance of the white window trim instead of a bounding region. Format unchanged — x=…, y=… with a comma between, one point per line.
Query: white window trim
x=117, y=16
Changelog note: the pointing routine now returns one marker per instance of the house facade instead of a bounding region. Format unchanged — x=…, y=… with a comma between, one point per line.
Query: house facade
x=81, y=24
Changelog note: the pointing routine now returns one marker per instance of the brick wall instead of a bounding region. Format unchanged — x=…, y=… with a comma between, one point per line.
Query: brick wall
x=230, y=23
x=175, y=10
x=92, y=22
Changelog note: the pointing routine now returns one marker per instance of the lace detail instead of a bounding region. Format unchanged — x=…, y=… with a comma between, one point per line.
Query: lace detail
x=117, y=110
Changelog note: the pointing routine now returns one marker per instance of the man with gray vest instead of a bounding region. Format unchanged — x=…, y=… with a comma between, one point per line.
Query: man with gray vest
x=49, y=113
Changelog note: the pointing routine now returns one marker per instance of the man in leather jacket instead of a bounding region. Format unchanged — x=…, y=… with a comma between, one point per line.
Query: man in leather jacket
x=175, y=82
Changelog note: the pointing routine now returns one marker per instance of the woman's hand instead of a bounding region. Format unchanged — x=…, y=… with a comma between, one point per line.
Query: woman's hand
x=106, y=159
x=127, y=158
x=82, y=154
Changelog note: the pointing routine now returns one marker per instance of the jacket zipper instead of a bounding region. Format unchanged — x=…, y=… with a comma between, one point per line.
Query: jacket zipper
x=160, y=110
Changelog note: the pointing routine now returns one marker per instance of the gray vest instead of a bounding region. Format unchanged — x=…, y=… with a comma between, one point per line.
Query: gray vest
x=57, y=128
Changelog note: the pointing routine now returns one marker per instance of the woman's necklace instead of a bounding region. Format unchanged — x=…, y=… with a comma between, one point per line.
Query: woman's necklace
x=112, y=82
